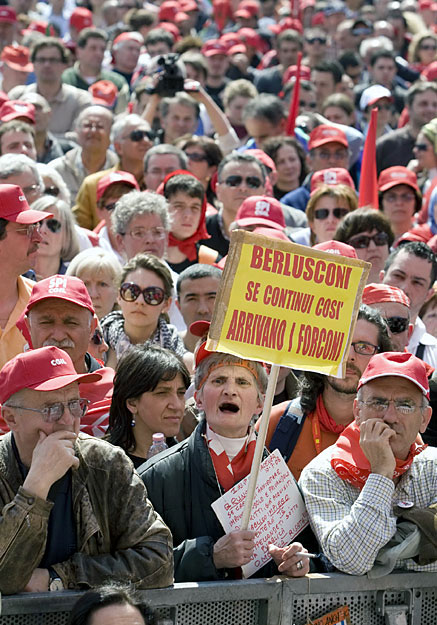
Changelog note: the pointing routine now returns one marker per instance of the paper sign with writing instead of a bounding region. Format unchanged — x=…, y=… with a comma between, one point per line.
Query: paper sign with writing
x=340, y=616
x=278, y=511
x=287, y=304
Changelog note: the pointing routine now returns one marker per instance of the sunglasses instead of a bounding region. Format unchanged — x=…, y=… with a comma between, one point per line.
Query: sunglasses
x=139, y=135
x=97, y=337
x=196, y=157
x=253, y=182
x=53, y=224
x=52, y=191
x=323, y=213
x=427, y=46
x=397, y=324
x=153, y=295
x=307, y=105
x=420, y=147
x=363, y=241
x=320, y=40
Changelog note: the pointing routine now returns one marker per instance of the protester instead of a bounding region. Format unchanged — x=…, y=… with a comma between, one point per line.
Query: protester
x=399, y=198
x=149, y=397
x=204, y=156
x=290, y=161
x=100, y=606
x=80, y=481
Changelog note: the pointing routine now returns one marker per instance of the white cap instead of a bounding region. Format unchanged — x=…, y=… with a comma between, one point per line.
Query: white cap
x=373, y=94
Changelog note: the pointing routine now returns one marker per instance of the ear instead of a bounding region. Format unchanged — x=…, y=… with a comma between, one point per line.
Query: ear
x=8, y=415
x=198, y=396
x=178, y=306
x=117, y=146
x=131, y=405
x=426, y=416
x=167, y=304
x=410, y=330
x=120, y=241
x=381, y=275
x=429, y=295
x=356, y=412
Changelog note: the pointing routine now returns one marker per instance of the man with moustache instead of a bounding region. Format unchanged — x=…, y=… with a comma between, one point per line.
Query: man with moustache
x=19, y=239
x=305, y=426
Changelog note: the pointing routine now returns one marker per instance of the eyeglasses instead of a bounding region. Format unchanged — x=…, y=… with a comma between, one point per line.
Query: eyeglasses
x=97, y=337
x=427, y=46
x=337, y=156
x=307, y=105
x=361, y=31
x=30, y=229
x=31, y=189
x=380, y=406
x=140, y=235
x=397, y=324
x=111, y=206
x=420, y=147
x=139, y=135
x=363, y=348
x=253, y=182
x=402, y=197
x=52, y=191
x=196, y=157
x=54, y=412
x=313, y=40
x=50, y=60
x=153, y=295
x=323, y=213
x=362, y=241
x=54, y=225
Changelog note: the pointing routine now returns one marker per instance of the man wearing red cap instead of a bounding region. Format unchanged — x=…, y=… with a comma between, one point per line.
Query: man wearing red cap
x=16, y=67
x=126, y=50
x=60, y=313
x=394, y=306
x=216, y=55
x=19, y=239
x=288, y=45
x=378, y=471
x=74, y=513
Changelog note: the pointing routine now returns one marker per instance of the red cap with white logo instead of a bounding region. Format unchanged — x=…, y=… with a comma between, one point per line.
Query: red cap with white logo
x=14, y=206
x=321, y=135
x=393, y=176
x=397, y=364
x=261, y=210
x=332, y=177
x=69, y=288
x=43, y=369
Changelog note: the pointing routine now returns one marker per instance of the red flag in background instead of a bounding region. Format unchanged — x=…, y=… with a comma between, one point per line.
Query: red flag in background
x=294, y=8
x=368, y=194
x=294, y=103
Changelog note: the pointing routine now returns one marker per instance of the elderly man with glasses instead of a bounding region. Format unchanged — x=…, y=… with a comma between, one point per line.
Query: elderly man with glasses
x=73, y=511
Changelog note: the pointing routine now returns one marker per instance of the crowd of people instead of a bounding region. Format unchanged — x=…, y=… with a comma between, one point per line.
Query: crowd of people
x=135, y=137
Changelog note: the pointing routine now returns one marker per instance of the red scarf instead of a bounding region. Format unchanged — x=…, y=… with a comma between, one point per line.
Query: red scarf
x=350, y=463
x=229, y=473
x=327, y=423
x=187, y=246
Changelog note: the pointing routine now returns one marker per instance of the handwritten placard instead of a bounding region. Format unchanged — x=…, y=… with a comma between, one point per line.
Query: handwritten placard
x=278, y=511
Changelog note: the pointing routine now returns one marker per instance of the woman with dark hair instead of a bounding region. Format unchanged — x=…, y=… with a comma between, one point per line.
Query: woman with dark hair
x=145, y=294
x=149, y=397
x=110, y=605
x=290, y=160
x=204, y=156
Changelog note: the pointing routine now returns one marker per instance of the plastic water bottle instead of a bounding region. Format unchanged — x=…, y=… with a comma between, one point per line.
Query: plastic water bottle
x=157, y=446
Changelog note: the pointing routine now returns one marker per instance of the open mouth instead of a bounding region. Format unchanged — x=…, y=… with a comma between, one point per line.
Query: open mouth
x=228, y=407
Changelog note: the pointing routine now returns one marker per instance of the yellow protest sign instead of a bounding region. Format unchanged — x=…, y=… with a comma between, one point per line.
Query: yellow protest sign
x=287, y=304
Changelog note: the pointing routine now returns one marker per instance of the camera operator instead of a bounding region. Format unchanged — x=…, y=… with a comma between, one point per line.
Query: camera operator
x=178, y=103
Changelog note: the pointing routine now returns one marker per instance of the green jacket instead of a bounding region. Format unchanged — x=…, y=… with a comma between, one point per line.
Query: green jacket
x=119, y=535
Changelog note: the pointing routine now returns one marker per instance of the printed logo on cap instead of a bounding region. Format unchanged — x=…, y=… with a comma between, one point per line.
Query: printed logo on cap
x=262, y=208
x=58, y=361
x=22, y=198
x=58, y=285
x=397, y=174
x=330, y=177
x=329, y=132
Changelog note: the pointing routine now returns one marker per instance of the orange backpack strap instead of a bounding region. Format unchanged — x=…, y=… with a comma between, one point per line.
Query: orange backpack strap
x=207, y=256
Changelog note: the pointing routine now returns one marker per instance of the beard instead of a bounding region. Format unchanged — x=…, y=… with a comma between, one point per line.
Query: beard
x=347, y=385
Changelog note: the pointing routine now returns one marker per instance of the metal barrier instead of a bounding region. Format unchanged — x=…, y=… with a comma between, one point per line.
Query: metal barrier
x=400, y=599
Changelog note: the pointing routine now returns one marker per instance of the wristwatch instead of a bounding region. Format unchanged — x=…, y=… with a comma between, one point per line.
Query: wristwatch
x=55, y=582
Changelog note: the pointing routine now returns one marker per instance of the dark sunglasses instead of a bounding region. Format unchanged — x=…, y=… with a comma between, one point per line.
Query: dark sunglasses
x=397, y=324
x=196, y=157
x=420, y=147
x=363, y=241
x=322, y=213
x=153, y=295
x=307, y=105
x=97, y=337
x=139, y=135
x=253, y=182
x=320, y=40
x=53, y=224
x=52, y=191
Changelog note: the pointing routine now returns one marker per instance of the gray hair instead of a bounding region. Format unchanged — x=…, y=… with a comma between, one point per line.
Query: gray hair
x=205, y=365
x=139, y=203
x=70, y=240
x=181, y=98
x=16, y=164
x=95, y=259
x=424, y=404
x=122, y=123
x=93, y=110
x=57, y=179
x=166, y=148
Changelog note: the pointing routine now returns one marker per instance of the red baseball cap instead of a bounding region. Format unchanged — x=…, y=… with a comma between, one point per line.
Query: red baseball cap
x=262, y=210
x=336, y=247
x=288, y=23
x=167, y=11
x=188, y=5
x=17, y=109
x=214, y=47
x=393, y=176
x=430, y=72
x=230, y=39
x=129, y=36
x=250, y=37
x=264, y=158
x=170, y=28
x=239, y=48
x=243, y=13
x=68, y=288
x=321, y=135
x=291, y=72
x=7, y=14
x=332, y=177
x=43, y=369
x=17, y=57
x=427, y=4
x=397, y=364
x=81, y=18
x=375, y=293
x=113, y=178
x=104, y=93
x=272, y=233
x=252, y=6
x=200, y=329
x=14, y=206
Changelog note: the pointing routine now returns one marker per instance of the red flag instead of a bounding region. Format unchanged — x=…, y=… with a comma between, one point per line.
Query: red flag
x=294, y=103
x=368, y=194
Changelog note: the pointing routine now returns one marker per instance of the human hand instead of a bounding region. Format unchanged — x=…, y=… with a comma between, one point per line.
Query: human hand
x=241, y=61
x=288, y=562
x=52, y=457
x=39, y=581
x=375, y=437
x=234, y=549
